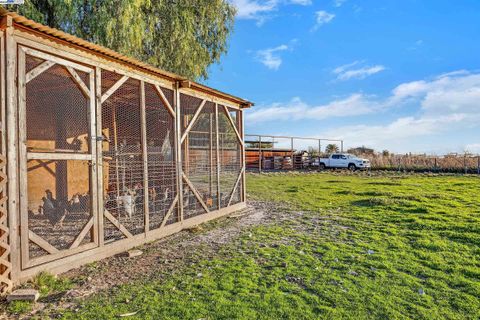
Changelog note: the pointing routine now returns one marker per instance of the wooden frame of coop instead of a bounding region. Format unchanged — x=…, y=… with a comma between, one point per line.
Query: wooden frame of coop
x=101, y=153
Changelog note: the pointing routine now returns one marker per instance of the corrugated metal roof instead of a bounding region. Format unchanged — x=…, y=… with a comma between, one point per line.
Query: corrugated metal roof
x=100, y=50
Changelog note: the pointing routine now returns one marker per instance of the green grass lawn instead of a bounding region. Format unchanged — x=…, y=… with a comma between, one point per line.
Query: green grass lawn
x=346, y=247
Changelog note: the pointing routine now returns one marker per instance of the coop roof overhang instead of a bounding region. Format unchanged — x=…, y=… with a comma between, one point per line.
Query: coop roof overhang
x=22, y=22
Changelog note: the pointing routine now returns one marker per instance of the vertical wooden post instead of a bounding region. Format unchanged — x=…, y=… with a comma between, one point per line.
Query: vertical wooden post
x=101, y=190
x=22, y=156
x=178, y=149
x=95, y=191
x=12, y=147
x=244, y=164
x=210, y=144
x=143, y=119
x=5, y=271
x=218, y=156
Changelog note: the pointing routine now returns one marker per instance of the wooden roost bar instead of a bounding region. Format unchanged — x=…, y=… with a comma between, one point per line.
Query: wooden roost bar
x=101, y=152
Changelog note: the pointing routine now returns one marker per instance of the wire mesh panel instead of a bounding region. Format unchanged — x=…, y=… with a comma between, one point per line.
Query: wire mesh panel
x=199, y=155
x=57, y=113
x=230, y=161
x=123, y=163
x=59, y=205
x=162, y=171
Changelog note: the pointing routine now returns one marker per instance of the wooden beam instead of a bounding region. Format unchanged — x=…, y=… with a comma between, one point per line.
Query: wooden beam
x=217, y=143
x=239, y=137
x=95, y=194
x=117, y=224
x=41, y=242
x=21, y=148
x=236, y=186
x=169, y=212
x=82, y=234
x=185, y=84
x=35, y=72
x=79, y=81
x=56, y=59
x=192, y=122
x=178, y=151
x=195, y=192
x=59, y=156
x=114, y=88
x=244, y=182
x=143, y=126
x=99, y=161
x=164, y=100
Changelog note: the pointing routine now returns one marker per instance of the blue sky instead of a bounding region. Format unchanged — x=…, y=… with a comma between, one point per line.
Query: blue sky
x=397, y=75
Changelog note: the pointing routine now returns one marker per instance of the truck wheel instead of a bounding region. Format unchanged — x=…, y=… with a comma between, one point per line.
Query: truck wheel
x=322, y=166
x=352, y=167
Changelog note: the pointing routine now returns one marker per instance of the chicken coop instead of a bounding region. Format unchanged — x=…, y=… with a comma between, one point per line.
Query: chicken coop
x=101, y=152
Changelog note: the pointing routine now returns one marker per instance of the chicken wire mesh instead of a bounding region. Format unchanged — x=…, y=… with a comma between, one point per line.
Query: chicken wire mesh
x=57, y=113
x=162, y=171
x=59, y=203
x=32, y=62
x=199, y=155
x=123, y=161
x=230, y=161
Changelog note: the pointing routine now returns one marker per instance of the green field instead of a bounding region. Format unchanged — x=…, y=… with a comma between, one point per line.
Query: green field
x=345, y=246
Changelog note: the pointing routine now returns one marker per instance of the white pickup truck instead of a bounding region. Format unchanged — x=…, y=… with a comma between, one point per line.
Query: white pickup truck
x=342, y=160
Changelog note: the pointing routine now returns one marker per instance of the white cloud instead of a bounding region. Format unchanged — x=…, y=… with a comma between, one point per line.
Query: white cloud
x=339, y=3
x=347, y=72
x=322, y=17
x=446, y=105
x=270, y=57
x=251, y=9
x=259, y=10
x=296, y=109
x=400, y=134
x=301, y=2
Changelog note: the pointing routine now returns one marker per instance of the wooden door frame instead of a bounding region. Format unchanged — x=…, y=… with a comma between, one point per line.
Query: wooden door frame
x=26, y=235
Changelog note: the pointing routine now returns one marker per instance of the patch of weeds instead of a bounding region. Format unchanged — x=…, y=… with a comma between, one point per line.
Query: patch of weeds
x=416, y=209
x=338, y=181
x=374, y=193
x=407, y=197
x=47, y=284
x=19, y=307
x=292, y=189
x=433, y=196
x=385, y=183
x=378, y=201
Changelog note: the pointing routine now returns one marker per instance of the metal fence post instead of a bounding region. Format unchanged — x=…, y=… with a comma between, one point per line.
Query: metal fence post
x=291, y=145
x=259, y=153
